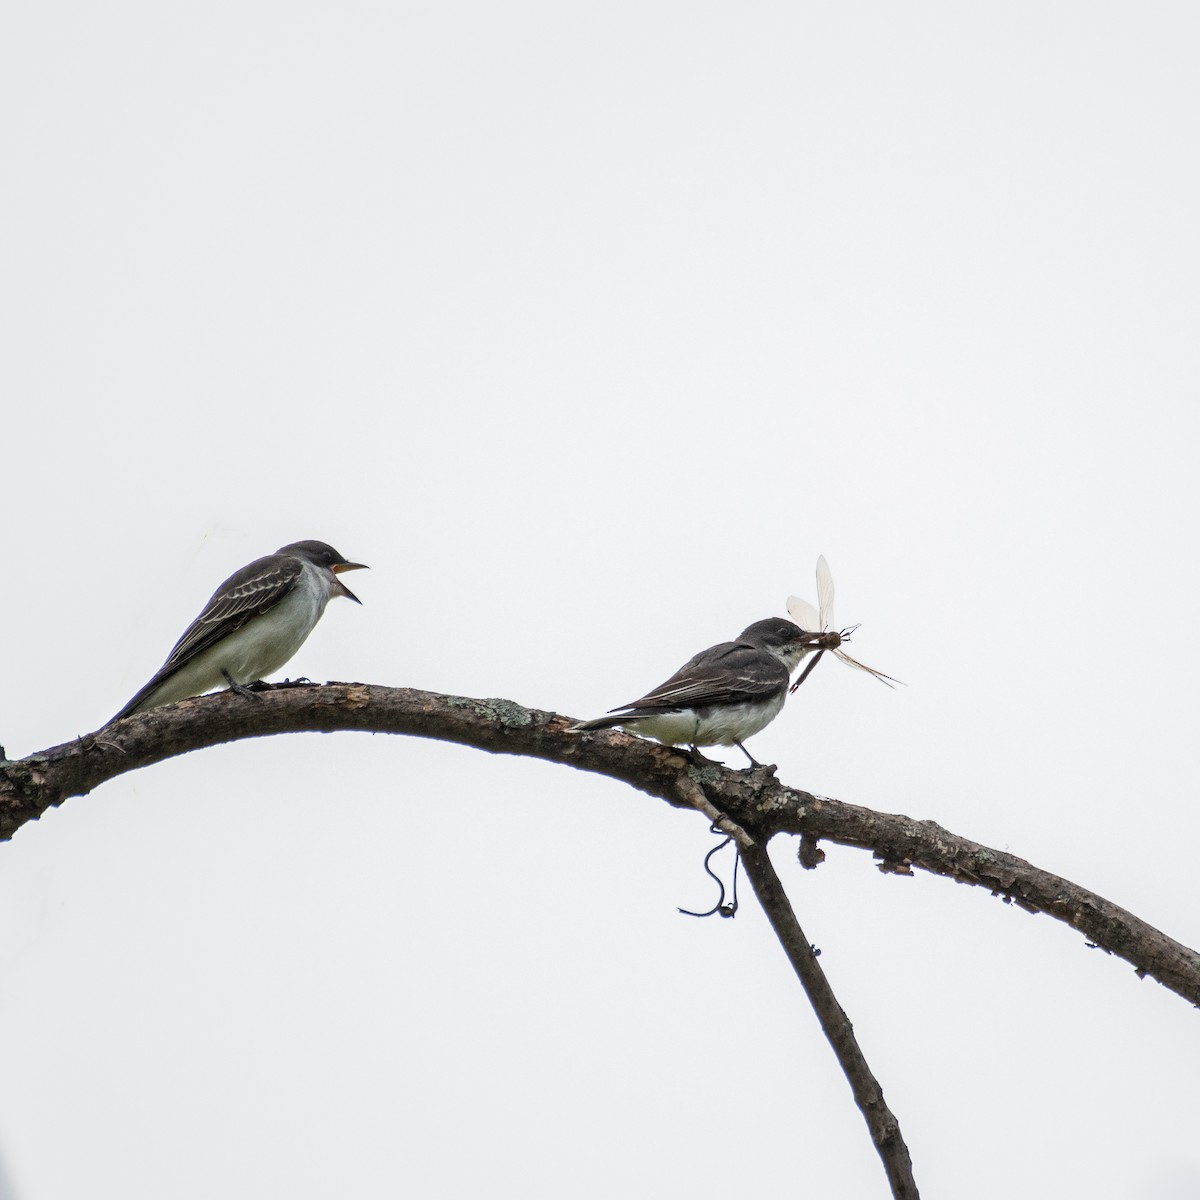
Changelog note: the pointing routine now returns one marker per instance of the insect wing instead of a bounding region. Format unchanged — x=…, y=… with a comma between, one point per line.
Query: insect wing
x=803, y=614
x=825, y=592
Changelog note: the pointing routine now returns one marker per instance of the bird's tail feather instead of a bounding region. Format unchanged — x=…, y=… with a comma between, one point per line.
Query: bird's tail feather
x=133, y=704
x=608, y=722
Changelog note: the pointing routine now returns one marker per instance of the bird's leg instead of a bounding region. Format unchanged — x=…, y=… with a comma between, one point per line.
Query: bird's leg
x=755, y=765
x=241, y=689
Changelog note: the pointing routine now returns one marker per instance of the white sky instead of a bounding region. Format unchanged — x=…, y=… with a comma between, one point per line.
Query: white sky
x=589, y=328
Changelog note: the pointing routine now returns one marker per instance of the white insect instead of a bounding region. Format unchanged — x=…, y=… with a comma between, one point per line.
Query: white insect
x=821, y=624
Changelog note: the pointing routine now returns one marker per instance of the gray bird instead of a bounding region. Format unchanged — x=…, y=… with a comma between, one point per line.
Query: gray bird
x=256, y=620
x=723, y=695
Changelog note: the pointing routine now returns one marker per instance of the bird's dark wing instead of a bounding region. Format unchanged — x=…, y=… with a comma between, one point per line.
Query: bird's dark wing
x=247, y=593
x=729, y=673
x=254, y=589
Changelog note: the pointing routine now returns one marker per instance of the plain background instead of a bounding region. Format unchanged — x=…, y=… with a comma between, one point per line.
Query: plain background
x=589, y=327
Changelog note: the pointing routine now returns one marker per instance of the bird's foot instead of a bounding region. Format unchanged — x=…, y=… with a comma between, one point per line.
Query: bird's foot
x=244, y=689
x=755, y=765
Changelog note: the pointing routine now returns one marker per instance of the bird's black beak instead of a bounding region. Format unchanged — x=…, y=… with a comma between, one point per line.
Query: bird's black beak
x=342, y=588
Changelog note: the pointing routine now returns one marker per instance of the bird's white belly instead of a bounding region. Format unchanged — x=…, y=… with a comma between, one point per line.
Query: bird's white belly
x=672, y=729
x=258, y=649
x=721, y=725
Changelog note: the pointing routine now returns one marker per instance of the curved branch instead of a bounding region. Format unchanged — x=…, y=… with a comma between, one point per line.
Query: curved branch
x=755, y=800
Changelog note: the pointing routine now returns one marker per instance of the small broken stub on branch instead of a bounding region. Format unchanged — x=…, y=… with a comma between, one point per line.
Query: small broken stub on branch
x=810, y=853
x=893, y=866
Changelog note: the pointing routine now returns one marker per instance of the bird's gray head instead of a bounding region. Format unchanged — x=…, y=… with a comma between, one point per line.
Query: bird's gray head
x=780, y=637
x=324, y=556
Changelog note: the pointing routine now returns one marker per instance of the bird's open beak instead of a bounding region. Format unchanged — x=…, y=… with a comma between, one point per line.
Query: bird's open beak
x=345, y=591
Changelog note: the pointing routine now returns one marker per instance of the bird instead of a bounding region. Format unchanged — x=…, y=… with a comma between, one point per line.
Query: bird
x=721, y=696
x=253, y=623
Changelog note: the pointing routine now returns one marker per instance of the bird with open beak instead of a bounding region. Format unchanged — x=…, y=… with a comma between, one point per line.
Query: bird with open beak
x=253, y=624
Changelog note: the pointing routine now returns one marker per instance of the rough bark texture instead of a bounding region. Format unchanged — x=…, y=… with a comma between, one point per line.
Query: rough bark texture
x=754, y=800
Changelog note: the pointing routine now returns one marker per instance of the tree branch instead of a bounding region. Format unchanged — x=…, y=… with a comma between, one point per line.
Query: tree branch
x=868, y=1095
x=752, y=805
x=754, y=800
